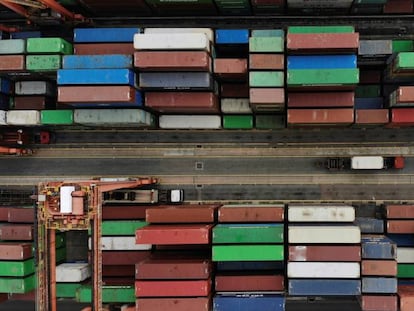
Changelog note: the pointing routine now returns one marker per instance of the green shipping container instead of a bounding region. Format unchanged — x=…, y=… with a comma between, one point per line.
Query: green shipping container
x=268, y=33
x=17, y=268
x=233, y=122
x=12, y=46
x=60, y=240
x=266, y=44
x=121, y=227
x=405, y=270
x=248, y=233
x=48, y=46
x=248, y=252
x=56, y=117
x=43, y=62
x=17, y=285
x=270, y=122
x=322, y=77
x=67, y=290
x=321, y=29
x=402, y=46
x=266, y=78
x=61, y=254
x=405, y=61
x=366, y=91
x=110, y=294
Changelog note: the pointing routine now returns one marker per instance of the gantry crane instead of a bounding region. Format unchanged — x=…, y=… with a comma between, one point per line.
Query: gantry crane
x=72, y=205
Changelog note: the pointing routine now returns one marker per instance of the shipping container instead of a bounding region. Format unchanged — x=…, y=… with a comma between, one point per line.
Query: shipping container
x=371, y=116
x=48, y=46
x=235, y=106
x=260, y=44
x=17, y=268
x=248, y=233
x=172, y=41
x=232, y=36
x=3, y=116
x=379, y=267
x=379, y=302
x=182, y=214
x=121, y=243
x=173, y=61
x=120, y=34
x=248, y=282
x=15, y=232
x=379, y=285
x=12, y=63
x=110, y=294
x=336, y=116
x=395, y=211
x=125, y=212
x=21, y=215
x=103, y=48
x=33, y=102
x=114, y=117
x=34, y=88
x=255, y=265
x=230, y=68
x=67, y=290
x=17, y=285
x=121, y=227
x=370, y=225
x=335, y=78
x=248, y=301
x=378, y=247
x=174, y=269
x=324, y=234
x=237, y=122
x=375, y=48
x=56, y=117
x=321, y=62
x=12, y=46
x=320, y=213
x=398, y=7
x=176, y=81
x=400, y=226
x=15, y=251
x=320, y=99
x=369, y=103
x=251, y=213
x=270, y=122
x=96, y=76
x=402, y=116
x=323, y=270
x=320, y=29
x=406, y=295
x=123, y=258
x=324, y=287
x=174, y=304
x=405, y=255
x=190, y=122
x=322, y=42
x=257, y=252
x=267, y=99
x=72, y=272
x=262, y=61
x=113, y=61
x=39, y=63
x=182, y=102
x=164, y=288
x=207, y=31
x=333, y=253
x=266, y=79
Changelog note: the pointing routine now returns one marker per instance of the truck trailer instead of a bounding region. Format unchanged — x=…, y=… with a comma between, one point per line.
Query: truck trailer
x=364, y=163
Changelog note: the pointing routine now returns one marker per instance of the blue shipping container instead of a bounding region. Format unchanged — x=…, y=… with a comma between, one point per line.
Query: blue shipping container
x=378, y=247
x=5, y=86
x=248, y=302
x=25, y=34
x=83, y=35
x=369, y=103
x=402, y=239
x=324, y=287
x=4, y=102
x=232, y=36
x=249, y=265
x=370, y=225
x=97, y=61
x=322, y=62
x=373, y=285
x=96, y=77
x=176, y=80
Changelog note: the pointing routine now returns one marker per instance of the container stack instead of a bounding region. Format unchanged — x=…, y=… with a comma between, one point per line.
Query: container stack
x=324, y=251
x=321, y=75
x=248, y=248
x=176, y=74
x=231, y=70
x=267, y=78
x=378, y=270
x=177, y=277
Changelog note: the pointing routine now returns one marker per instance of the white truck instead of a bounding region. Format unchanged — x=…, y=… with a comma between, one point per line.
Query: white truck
x=365, y=163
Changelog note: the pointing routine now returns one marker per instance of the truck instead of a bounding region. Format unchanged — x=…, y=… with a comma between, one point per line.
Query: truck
x=364, y=163
x=149, y=196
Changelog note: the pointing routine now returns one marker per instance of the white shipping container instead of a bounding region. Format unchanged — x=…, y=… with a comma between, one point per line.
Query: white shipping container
x=23, y=117
x=324, y=234
x=330, y=213
x=121, y=243
x=405, y=254
x=307, y=4
x=72, y=272
x=3, y=117
x=320, y=270
x=367, y=163
x=172, y=41
x=189, y=122
x=113, y=117
x=207, y=31
x=236, y=105
x=34, y=88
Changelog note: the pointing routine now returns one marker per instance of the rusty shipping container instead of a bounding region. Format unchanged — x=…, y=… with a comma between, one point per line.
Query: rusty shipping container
x=398, y=7
x=250, y=283
x=403, y=211
x=322, y=42
x=103, y=48
x=174, y=234
x=121, y=258
x=191, y=288
x=406, y=294
x=33, y=103
x=182, y=102
x=379, y=267
x=400, y=226
x=320, y=99
x=174, y=304
x=97, y=94
x=379, y=302
x=266, y=61
x=12, y=62
x=334, y=116
x=172, y=61
x=251, y=213
x=126, y=212
x=21, y=215
x=16, y=251
x=231, y=68
x=372, y=116
x=193, y=213
x=14, y=232
x=346, y=253
x=4, y=213
x=125, y=271
x=152, y=269
x=234, y=90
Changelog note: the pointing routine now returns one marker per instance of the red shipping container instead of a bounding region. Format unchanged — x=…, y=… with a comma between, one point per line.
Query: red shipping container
x=103, y=48
x=234, y=90
x=174, y=234
x=379, y=303
x=16, y=251
x=235, y=283
x=182, y=214
x=12, y=62
x=372, y=116
x=267, y=61
x=121, y=258
x=398, y=7
x=370, y=76
x=379, y=267
x=320, y=99
x=4, y=297
x=182, y=102
x=405, y=94
x=32, y=103
x=334, y=116
x=198, y=288
x=400, y=226
x=13, y=232
x=402, y=116
x=402, y=211
x=346, y=253
x=322, y=42
x=406, y=294
x=4, y=213
x=118, y=271
x=118, y=281
x=96, y=94
x=231, y=68
x=251, y=213
x=151, y=269
x=21, y=215
x=30, y=296
x=172, y=61
x=127, y=212
x=174, y=304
